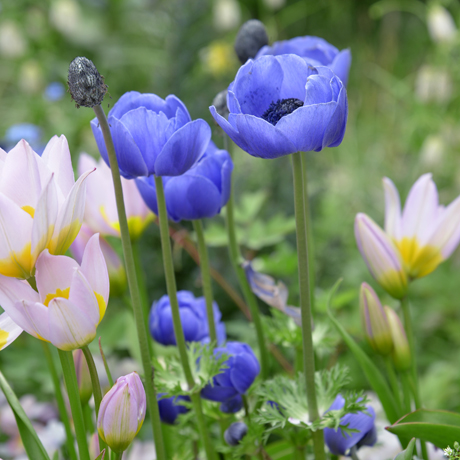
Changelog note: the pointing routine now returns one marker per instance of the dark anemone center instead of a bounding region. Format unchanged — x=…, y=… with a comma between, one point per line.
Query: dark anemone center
x=281, y=108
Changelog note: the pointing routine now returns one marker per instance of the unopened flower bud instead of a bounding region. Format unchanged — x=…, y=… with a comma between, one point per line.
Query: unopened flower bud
x=375, y=321
x=401, y=350
x=85, y=387
x=86, y=84
x=250, y=38
x=235, y=433
x=122, y=412
x=220, y=103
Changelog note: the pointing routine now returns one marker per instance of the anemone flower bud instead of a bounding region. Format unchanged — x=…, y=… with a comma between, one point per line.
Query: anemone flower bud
x=171, y=408
x=375, y=321
x=220, y=103
x=381, y=256
x=235, y=433
x=250, y=38
x=232, y=405
x=401, y=350
x=86, y=84
x=122, y=412
x=85, y=387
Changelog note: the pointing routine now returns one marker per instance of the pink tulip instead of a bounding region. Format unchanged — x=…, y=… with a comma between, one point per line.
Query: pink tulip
x=41, y=205
x=122, y=412
x=101, y=210
x=70, y=302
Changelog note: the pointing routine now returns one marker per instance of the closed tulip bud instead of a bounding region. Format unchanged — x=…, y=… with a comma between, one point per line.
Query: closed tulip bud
x=375, y=321
x=401, y=350
x=122, y=412
x=235, y=433
x=85, y=387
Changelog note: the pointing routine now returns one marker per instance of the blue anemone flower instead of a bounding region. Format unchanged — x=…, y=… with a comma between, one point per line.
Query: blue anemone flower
x=240, y=373
x=339, y=442
x=153, y=135
x=193, y=317
x=170, y=408
x=233, y=405
x=201, y=192
x=281, y=105
x=316, y=51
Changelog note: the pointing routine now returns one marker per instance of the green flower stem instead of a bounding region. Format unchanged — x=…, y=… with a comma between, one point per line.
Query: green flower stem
x=414, y=375
x=299, y=453
x=206, y=279
x=393, y=380
x=97, y=393
x=60, y=401
x=133, y=288
x=406, y=393
x=70, y=378
x=249, y=296
x=141, y=282
x=354, y=453
x=304, y=285
x=107, y=369
x=310, y=240
x=118, y=456
x=88, y=416
x=178, y=331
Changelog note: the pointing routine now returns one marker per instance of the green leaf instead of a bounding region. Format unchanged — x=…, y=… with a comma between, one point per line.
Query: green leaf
x=441, y=428
x=101, y=456
x=408, y=453
x=374, y=376
x=32, y=443
x=281, y=450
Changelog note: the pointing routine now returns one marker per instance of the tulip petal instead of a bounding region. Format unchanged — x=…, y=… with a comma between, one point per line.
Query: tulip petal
x=81, y=294
x=392, y=210
x=15, y=240
x=9, y=330
x=70, y=327
x=36, y=316
x=264, y=139
x=70, y=217
x=44, y=218
x=420, y=210
x=192, y=197
x=341, y=65
x=53, y=273
x=94, y=267
x=183, y=149
x=305, y=127
x=446, y=236
x=57, y=157
x=23, y=166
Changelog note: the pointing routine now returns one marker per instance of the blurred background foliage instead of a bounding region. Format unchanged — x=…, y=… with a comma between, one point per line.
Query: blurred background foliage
x=404, y=120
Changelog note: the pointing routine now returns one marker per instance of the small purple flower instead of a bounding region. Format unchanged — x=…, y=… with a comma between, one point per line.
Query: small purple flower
x=281, y=105
x=193, y=317
x=240, y=373
x=54, y=91
x=153, y=136
x=171, y=408
x=200, y=192
x=339, y=442
x=235, y=433
x=316, y=51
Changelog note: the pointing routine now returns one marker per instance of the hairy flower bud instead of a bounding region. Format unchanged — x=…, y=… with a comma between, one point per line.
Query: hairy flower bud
x=375, y=321
x=250, y=38
x=235, y=433
x=401, y=350
x=86, y=84
x=220, y=103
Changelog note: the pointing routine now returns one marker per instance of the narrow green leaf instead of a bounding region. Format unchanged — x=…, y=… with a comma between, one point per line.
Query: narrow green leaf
x=408, y=453
x=32, y=443
x=101, y=456
x=280, y=450
x=374, y=376
x=441, y=428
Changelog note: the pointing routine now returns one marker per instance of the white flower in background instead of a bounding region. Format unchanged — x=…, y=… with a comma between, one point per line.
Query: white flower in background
x=433, y=84
x=65, y=15
x=432, y=151
x=12, y=41
x=226, y=14
x=441, y=25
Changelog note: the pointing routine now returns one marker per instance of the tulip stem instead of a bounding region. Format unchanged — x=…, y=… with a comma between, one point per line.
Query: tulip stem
x=304, y=287
x=310, y=241
x=97, y=393
x=249, y=297
x=206, y=279
x=353, y=453
x=393, y=380
x=60, y=401
x=133, y=287
x=70, y=378
x=178, y=330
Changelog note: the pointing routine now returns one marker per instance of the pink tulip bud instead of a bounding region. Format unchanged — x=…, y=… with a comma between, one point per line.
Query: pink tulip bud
x=122, y=412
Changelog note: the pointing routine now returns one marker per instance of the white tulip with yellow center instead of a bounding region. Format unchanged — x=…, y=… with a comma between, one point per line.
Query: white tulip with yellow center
x=101, y=210
x=41, y=205
x=70, y=302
